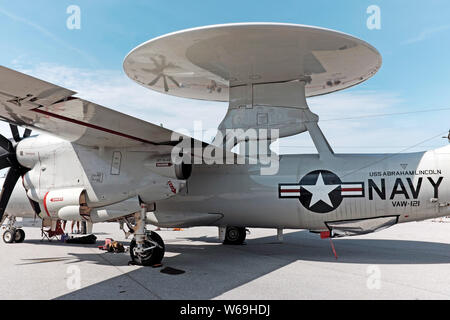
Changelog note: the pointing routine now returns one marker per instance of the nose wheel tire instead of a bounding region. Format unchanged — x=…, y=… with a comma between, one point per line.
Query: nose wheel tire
x=13, y=235
x=235, y=235
x=9, y=236
x=19, y=236
x=154, y=253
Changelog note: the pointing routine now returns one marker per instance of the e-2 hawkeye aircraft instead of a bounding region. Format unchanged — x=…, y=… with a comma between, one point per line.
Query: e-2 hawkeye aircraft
x=91, y=158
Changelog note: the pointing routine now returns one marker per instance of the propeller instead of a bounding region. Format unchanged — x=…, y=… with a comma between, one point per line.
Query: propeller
x=8, y=158
x=165, y=77
x=159, y=72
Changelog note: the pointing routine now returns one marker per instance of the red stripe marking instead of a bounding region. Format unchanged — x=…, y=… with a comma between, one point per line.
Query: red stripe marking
x=45, y=203
x=89, y=125
x=290, y=190
x=352, y=189
x=172, y=188
x=163, y=164
x=334, y=250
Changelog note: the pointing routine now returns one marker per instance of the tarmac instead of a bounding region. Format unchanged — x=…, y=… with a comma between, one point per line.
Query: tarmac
x=406, y=261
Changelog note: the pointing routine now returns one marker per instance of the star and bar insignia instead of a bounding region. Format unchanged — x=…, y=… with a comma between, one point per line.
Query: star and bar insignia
x=321, y=191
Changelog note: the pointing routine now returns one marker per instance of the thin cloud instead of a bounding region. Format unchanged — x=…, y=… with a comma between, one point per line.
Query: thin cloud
x=48, y=34
x=425, y=34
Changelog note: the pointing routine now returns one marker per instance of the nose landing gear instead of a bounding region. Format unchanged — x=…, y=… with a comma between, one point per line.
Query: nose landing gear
x=147, y=247
x=150, y=253
x=13, y=234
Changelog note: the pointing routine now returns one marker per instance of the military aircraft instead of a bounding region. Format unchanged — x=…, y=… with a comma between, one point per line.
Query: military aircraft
x=91, y=159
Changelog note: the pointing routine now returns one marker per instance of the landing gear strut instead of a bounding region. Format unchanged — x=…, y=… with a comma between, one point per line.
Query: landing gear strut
x=13, y=234
x=147, y=247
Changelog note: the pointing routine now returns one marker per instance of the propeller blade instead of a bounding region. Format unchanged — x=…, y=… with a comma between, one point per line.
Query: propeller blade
x=166, y=86
x=174, y=81
x=36, y=207
x=5, y=161
x=27, y=133
x=5, y=144
x=8, y=187
x=156, y=63
x=155, y=80
x=15, y=132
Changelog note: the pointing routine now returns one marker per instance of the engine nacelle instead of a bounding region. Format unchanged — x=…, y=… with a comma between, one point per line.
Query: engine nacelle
x=164, y=167
x=67, y=204
x=33, y=150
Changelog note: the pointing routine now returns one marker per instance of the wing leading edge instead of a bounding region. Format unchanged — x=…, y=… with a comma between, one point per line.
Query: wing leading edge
x=36, y=104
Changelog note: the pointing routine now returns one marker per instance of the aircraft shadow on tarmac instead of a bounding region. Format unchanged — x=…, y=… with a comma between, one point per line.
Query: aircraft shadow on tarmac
x=213, y=269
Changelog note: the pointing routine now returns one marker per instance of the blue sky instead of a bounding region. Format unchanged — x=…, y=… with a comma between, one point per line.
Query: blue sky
x=413, y=41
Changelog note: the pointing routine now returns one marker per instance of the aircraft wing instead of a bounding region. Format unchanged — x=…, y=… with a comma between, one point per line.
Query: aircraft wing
x=36, y=104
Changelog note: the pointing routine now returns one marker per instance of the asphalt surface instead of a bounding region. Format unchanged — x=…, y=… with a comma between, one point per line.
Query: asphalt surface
x=407, y=261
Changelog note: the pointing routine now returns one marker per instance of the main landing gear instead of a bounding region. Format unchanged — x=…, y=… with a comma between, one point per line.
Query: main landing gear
x=13, y=234
x=234, y=235
x=147, y=247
